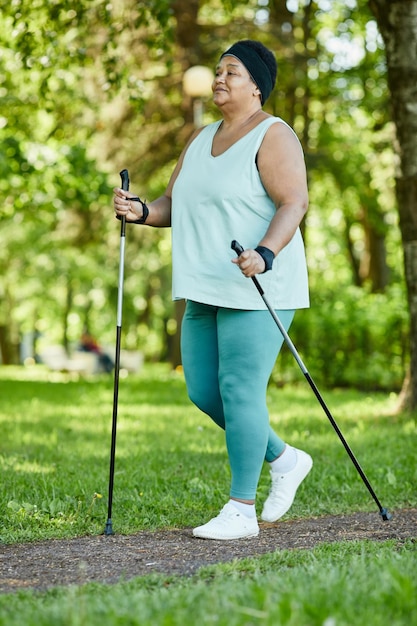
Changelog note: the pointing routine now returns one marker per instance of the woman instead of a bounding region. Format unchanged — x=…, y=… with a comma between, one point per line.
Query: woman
x=241, y=178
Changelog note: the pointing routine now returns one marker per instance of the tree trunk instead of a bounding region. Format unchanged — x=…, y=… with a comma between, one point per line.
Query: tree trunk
x=66, y=312
x=373, y=265
x=397, y=22
x=5, y=346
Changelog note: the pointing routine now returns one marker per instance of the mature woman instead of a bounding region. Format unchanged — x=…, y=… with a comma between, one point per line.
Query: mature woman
x=241, y=178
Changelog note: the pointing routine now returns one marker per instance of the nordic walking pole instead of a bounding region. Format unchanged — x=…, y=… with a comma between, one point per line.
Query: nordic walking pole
x=383, y=511
x=108, y=530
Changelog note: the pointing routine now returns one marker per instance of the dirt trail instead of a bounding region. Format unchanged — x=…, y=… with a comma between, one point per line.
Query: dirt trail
x=106, y=559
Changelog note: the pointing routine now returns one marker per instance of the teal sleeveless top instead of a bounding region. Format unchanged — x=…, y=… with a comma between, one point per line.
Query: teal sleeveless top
x=218, y=199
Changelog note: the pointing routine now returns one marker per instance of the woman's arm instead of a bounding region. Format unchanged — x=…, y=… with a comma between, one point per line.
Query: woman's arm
x=283, y=174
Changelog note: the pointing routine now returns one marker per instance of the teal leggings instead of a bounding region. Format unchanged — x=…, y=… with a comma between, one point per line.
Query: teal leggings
x=228, y=356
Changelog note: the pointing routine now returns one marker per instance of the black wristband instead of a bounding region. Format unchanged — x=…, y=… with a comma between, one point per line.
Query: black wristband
x=267, y=255
x=145, y=211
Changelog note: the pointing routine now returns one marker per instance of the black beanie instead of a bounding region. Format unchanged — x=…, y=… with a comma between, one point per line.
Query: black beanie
x=260, y=63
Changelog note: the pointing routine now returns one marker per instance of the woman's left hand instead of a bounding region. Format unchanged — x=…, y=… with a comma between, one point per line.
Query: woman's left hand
x=250, y=263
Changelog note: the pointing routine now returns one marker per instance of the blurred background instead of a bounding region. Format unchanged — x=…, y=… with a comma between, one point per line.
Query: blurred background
x=88, y=88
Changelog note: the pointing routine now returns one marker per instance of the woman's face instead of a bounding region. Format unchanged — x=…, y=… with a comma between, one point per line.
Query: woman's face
x=232, y=82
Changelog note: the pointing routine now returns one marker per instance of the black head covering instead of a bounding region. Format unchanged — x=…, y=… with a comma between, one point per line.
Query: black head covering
x=260, y=63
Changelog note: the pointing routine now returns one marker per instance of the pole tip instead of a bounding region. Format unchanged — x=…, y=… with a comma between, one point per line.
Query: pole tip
x=385, y=514
x=108, y=530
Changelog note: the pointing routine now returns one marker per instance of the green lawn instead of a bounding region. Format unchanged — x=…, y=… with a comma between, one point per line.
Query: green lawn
x=172, y=471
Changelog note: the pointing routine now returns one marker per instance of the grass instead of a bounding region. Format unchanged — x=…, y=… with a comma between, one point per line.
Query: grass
x=172, y=471
x=345, y=584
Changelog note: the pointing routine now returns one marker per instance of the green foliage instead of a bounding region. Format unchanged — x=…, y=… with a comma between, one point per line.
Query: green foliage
x=350, y=338
x=87, y=90
x=60, y=246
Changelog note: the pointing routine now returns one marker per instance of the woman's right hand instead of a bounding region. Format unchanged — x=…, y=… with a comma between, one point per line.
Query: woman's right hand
x=123, y=206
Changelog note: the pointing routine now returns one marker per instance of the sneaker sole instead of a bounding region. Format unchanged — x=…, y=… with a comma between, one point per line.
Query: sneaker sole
x=223, y=538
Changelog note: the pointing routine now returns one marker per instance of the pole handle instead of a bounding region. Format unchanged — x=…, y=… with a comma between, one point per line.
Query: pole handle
x=124, y=175
x=237, y=247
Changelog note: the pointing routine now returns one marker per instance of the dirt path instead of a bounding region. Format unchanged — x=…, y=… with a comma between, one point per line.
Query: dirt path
x=103, y=559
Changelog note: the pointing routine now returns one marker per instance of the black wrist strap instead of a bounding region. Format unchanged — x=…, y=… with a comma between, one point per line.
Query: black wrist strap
x=267, y=255
x=145, y=211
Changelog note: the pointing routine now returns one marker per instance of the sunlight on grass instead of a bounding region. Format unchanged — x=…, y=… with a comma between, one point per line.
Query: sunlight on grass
x=23, y=465
x=172, y=471
x=171, y=463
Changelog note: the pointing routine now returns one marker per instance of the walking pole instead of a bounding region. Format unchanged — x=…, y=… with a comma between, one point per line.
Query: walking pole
x=383, y=511
x=108, y=530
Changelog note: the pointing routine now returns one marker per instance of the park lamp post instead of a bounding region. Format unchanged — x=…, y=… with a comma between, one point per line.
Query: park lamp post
x=197, y=83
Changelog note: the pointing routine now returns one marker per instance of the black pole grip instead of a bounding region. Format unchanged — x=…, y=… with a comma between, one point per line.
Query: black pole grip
x=236, y=247
x=124, y=175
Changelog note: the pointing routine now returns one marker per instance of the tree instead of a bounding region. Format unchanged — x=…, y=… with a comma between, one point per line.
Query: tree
x=397, y=21
x=59, y=66
x=89, y=88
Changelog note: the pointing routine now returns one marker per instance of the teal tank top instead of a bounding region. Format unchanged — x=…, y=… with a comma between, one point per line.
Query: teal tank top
x=218, y=199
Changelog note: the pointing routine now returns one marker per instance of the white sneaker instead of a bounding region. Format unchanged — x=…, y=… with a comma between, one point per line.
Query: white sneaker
x=284, y=488
x=229, y=524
